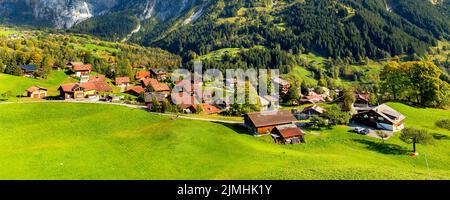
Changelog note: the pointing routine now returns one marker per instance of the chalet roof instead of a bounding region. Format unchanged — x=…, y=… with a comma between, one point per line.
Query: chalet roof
x=142, y=74
x=387, y=112
x=69, y=87
x=75, y=63
x=158, y=71
x=84, y=67
x=28, y=68
x=210, y=109
x=35, y=88
x=135, y=89
x=102, y=86
x=315, y=108
x=122, y=80
x=97, y=78
x=88, y=86
x=289, y=130
x=270, y=118
x=280, y=81
x=364, y=97
x=158, y=96
x=157, y=86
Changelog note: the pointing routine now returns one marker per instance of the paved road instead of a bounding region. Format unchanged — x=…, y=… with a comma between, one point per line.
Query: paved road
x=129, y=106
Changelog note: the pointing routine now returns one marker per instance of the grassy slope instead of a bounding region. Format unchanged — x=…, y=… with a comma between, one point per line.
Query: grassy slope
x=13, y=83
x=132, y=144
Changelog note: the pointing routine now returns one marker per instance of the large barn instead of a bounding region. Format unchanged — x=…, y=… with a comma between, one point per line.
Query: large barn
x=262, y=123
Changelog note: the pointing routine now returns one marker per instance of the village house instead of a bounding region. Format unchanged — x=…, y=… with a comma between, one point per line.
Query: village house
x=362, y=100
x=100, y=83
x=284, y=85
x=78, y=90
x=122, y=81
x=381, y=117
x=288, y=134
x=210, y=109
x=150, y=97
x=80, y=69
x=28, y=70
x=269, y=103
x=37, y=92
x=313, y=110
x=155, y=86
x=158, y=74
x=141, y=75
x=262, y=123
x=135, y=90
x=188, y=86
x=312, y=98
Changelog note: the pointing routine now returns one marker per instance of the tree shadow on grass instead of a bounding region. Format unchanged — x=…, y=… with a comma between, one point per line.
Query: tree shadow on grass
x=391, y=149
x=438, y=136
x=238, y=128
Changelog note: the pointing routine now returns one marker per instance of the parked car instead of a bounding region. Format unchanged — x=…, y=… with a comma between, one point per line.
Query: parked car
x=362, y=131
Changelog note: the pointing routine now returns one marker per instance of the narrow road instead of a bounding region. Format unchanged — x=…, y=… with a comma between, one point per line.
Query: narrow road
x=129, y=106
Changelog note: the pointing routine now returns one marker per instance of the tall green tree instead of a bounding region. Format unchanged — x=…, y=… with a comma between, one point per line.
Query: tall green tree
x=415, y=136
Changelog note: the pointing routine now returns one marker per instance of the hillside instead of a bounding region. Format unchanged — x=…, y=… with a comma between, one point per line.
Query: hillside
x=74, y=145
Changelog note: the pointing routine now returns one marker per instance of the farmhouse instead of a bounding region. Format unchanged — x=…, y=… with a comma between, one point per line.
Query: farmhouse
x=210, y=109
x=141, y=75
x=284, y=85
x=78, y=90
x=80, y=69
x=313, y=110
x=288, y=134
x=362, y=100
x=135, y=90
x=28, y=70
x=264, y=122
x=156, y=86
x=158, y=74
x=122, y=81
x=36, y=92
x=381, y=117
x=150, y=97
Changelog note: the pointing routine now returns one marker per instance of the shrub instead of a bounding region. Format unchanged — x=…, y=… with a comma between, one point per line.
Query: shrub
x=445, y=123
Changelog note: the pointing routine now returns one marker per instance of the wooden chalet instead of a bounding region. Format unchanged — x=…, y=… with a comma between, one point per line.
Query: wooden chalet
x=313, y=110
x=122, y=81
x=158, y=74
x=284, y=85
x=156, y=86
x=264, y=122
x=80, y=69
x=150, y=97
x=288, y=134
x=135, y=90
x=381, y=117
x=28, y=70
x=37, y=92
x=141, y=75
x=78, y=90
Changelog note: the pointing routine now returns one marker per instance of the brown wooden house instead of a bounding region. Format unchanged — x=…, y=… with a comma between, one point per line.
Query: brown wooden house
x=37, y=92
x=288, y=134
x=381, y=117
x=264, y=122
x=158, y=74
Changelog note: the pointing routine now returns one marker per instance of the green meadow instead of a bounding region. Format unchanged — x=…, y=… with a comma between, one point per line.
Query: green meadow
x=17, y=84
x=90, y=141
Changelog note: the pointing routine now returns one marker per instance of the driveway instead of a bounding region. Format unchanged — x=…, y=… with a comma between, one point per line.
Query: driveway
x=372, y=131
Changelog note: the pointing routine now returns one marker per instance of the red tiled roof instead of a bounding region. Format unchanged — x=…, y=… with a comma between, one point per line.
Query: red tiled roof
x=89, y=86
x=102, y=86
x=157, y=86
x=135, y=89
x=69, y=87
x=84, y=67
x=316, y=108
x=122, y=80
x=35, y=88
x=98, y=78
x=210, y=109
x=142, y=74
x=290, y=131
x=271, y=118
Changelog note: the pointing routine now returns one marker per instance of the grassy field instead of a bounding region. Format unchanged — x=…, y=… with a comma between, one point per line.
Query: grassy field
x=87, y=141
x=17, y=85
